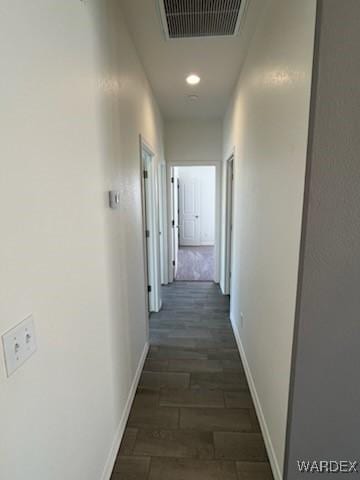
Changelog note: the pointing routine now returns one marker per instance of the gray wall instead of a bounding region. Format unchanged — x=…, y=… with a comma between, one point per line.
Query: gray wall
x=324, y=418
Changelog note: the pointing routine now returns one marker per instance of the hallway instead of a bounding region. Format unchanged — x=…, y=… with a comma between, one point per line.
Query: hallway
x=192, y=417
x=156, y=157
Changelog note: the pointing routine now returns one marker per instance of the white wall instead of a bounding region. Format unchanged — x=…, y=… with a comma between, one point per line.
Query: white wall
x=267, y=123
x=205, y=177
x=325, y=390
x=193, y=141
x=69, y=120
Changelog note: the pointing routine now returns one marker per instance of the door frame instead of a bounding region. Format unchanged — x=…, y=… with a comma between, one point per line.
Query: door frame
x=218, y=173
x=174, y=224
x=163, y=224
x=229, y=221
x=150, y=222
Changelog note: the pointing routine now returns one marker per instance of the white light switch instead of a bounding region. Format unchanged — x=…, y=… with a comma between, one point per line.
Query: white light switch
x=114, y=199
x=19, y=344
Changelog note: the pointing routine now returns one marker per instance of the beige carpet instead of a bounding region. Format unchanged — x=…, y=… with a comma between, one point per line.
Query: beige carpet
x=195, y=264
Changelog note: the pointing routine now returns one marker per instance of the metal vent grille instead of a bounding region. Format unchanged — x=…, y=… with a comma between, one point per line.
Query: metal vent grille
x=201, y=18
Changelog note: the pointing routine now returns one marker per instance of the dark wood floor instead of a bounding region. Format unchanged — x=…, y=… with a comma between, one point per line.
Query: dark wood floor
x=192, y=417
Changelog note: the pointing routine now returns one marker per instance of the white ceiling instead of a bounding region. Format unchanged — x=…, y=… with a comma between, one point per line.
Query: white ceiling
x=167, y=62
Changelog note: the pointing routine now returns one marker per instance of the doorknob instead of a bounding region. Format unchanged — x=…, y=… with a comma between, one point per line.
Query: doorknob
x=196, y=216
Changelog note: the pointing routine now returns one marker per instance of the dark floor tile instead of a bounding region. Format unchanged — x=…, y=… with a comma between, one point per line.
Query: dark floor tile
x=190, y=332
x=168, y=324
x=177, y=353
x=214, y=310
x=254, y=420
x=164, y=341
x=161, y=331
x=240, y=399
x=193, y=367
x=153, y=417
x=221, y=330
x=240, y=446
x=216, y=342
x=174, y=443
x=128, y=441
x=187, y=469
x=192, y=398
x=213, y=419
x=147, y=397
x=131, y=468
x=233, y=366
x=254, y=471
x=189, y=365
x=219, y=381
x=157, y=380
x=223, y=354
x=156, y=365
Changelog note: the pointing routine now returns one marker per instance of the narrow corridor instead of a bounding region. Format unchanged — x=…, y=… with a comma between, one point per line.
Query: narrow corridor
x=192, y=417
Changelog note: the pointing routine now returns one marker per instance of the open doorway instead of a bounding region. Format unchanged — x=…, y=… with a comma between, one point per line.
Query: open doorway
x=194, y=233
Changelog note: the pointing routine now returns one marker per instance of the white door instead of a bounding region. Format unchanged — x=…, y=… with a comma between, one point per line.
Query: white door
x=190, y=212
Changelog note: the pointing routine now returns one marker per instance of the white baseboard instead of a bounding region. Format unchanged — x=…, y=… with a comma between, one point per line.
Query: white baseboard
x=264, y=429
x=222, y=288
x=121, y=428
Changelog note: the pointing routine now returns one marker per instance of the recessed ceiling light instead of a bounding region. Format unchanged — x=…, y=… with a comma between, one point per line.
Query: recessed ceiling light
x=193, y=79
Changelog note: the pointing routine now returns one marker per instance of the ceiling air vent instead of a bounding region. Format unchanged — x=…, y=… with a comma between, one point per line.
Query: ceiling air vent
x=201, y=18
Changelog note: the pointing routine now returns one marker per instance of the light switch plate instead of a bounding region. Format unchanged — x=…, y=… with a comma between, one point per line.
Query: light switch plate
x=19, y=344
x=114, y=199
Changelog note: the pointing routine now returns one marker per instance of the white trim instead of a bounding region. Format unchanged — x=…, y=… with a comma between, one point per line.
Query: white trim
x=148, y=146
x=229, y=221
x=174, y=221
x=260, y=414
x=151, y=203
x=163, y=224
x=110, y=462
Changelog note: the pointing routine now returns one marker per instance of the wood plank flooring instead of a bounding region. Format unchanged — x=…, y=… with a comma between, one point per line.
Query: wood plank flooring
x=192, y=416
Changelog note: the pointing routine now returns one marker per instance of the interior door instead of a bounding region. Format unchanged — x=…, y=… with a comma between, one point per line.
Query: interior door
x=189, y=212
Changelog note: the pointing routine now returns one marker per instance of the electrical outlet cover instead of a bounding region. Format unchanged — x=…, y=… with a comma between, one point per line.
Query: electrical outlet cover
x=19, y=344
